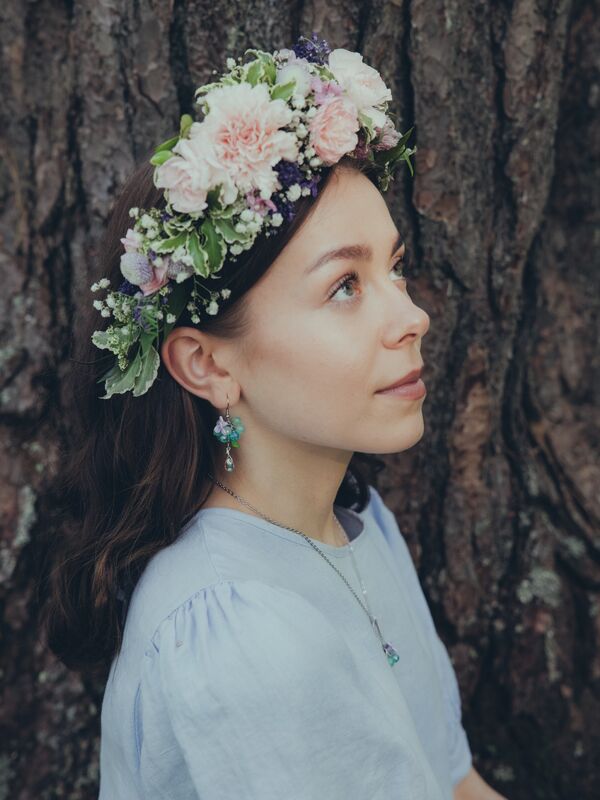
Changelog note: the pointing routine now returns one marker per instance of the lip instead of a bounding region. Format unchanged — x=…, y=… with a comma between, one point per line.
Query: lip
x=410, y=377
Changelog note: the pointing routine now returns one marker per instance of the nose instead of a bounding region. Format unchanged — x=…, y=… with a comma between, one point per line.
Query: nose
x=404, y=318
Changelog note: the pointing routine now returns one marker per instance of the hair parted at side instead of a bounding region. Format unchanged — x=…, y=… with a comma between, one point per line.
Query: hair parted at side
x=134, y=469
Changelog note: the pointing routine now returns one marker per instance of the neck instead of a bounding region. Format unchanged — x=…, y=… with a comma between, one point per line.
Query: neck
x=296, y=489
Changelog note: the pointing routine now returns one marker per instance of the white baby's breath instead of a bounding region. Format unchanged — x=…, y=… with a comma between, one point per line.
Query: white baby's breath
x=293, y=193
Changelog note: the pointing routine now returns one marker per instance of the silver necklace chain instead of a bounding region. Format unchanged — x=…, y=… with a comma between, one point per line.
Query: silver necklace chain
x=388, y=649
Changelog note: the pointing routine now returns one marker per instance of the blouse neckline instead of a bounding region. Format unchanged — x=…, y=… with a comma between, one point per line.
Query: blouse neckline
x=352, y=522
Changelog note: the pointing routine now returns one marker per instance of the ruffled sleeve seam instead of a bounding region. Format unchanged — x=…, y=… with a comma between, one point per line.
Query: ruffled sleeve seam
x=231, y=581
x=190, y=598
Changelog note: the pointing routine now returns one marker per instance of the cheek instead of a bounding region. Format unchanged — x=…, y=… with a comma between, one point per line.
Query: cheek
x=304, y=375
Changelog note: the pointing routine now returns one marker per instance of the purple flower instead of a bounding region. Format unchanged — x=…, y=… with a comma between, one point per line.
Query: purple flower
x=288, y=173
x=324, y=90
x=165, y=216
x=313, y=49
x=128, y=288
x=137, y=315
x=222, y=426
x=284, y=207
x=312, y=184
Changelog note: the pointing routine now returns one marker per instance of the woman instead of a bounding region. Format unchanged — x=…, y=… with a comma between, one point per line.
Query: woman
x=221, y=581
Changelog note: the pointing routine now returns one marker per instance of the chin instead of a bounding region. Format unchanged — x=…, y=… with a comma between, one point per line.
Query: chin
x=404, y=437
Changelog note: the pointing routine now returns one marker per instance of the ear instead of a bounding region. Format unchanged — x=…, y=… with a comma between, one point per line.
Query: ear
x=190, y=356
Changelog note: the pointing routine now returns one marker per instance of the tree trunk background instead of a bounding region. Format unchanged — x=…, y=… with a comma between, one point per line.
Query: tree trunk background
x=499, y=502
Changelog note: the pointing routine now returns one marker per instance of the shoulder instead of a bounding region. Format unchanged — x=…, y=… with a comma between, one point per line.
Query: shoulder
x=244, y=625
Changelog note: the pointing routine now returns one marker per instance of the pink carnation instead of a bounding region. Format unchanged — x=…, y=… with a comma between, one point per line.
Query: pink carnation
x=242, y=140
x=333, y=129
x=185, y=177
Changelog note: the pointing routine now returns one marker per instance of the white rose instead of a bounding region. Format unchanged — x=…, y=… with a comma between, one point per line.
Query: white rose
x=362, y=84
x=295, y=71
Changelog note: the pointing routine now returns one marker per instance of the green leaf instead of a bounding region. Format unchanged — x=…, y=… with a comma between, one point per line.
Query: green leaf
x=168, y=145
x=168, y=245
x=269, y=69
x=367, y=123
x=223, y=212
x=254, y=72
x=113, y=372
x=212, y=198
x=184, y=125
x=227, y=231
x=100, y=339
x=283, y=91
x=395, y=152
x=124, y=381
x=213, y=246
x=146, y=340
x=160, y=157
x=199, y=255
x=148, y=372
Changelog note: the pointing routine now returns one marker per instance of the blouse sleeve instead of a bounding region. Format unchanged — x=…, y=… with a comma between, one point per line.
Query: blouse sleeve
x=458, y=744
x=247, y=690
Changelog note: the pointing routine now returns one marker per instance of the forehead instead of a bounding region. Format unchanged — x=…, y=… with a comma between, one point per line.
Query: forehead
x=350, y=210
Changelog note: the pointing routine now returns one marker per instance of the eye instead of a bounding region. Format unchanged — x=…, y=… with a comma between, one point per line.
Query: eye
x=399, y=266
x=352, y=278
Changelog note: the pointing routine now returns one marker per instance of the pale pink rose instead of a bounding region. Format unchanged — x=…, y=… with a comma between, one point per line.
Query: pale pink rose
x=159, y=278
x=242, y=138
x=333, y=130
x=132, y=241
x=186, y=178
x=363, y=84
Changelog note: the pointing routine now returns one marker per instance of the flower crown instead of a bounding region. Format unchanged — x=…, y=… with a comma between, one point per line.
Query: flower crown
x=271, y=123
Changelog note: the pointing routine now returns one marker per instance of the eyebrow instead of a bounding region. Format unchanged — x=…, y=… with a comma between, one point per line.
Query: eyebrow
x=353, y=251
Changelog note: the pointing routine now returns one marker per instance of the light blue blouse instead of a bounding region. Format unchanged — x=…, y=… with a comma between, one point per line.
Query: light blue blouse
x=248, y=670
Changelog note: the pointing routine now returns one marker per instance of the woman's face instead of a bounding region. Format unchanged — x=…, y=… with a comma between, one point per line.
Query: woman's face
x=321, y=346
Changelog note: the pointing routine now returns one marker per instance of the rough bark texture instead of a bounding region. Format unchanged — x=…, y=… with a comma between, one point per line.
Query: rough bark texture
x=499, y=501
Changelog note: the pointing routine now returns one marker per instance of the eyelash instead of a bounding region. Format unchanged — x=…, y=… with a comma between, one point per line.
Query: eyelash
x=352, y=277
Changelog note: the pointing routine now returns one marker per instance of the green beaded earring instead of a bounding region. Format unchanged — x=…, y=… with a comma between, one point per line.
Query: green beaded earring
x=228, y=432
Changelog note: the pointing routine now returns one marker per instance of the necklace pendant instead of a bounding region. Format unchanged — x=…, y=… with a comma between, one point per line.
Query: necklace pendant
x=392, y=655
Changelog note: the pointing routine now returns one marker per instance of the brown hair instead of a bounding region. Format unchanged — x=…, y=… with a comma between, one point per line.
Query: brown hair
x=127, y=485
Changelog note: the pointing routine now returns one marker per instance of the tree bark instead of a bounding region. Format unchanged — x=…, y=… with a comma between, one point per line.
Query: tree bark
x=499, y=501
